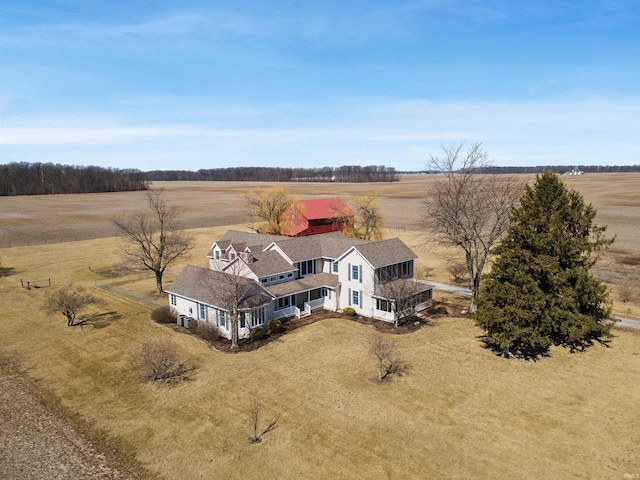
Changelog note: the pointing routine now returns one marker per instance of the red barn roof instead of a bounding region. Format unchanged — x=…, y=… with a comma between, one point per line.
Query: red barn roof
x=310, y=217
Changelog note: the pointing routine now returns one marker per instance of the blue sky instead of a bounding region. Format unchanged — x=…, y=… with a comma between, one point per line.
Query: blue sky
x=190, y=85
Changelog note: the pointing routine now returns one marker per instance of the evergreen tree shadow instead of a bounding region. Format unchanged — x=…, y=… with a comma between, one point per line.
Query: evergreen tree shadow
x=524, y=352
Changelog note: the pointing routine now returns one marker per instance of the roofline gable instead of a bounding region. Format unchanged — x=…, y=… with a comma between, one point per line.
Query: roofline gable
x=351, y=249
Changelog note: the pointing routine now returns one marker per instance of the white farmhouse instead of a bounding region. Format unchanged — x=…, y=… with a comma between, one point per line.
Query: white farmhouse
x=290, y=277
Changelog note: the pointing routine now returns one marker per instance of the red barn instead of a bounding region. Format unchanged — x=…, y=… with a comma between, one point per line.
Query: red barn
x=311, y=217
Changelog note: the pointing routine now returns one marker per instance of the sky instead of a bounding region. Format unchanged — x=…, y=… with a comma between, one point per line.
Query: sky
x=209, y=84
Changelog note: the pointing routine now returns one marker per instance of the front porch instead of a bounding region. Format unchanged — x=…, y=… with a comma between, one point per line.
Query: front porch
x=300, y=297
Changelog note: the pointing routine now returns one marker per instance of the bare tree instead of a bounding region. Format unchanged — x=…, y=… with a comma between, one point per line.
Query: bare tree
x=269, y=205
x=236, y=294
x=626, y=292
x=458, y=269
x=366, y=224
x=255, y=409
x=404, y=294
x=384, y=351
x=160, y=361
x=468, y=209
x=154, y=240
x=69, y=301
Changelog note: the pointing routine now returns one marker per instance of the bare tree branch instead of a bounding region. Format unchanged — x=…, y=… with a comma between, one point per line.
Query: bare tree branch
x=469, y=210
x=388, y=362
x=268, y=205
x=69, y=301
x=154, y=241
x=255, y=409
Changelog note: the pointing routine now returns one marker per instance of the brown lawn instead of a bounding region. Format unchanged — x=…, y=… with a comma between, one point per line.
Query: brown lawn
x=460, y=410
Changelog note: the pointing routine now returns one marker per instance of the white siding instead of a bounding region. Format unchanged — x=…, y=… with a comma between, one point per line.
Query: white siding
x=364, y=284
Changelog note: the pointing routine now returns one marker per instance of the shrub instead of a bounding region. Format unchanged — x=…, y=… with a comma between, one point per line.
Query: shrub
x=193, y=325
x=626, y=292
x=164, y=314
x=275, y=326
x=206, y=331
x=441, y=310
x=458, y=271
x=349, y=311
x=160, y=360
x=258, y=334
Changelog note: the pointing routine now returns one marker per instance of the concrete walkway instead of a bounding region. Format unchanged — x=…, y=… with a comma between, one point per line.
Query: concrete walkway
x=627, y=322
x=445, y=287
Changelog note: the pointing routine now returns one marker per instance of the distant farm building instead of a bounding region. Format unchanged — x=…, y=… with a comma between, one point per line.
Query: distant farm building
x=312, y=217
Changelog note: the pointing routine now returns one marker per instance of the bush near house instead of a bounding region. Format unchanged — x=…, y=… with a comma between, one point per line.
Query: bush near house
x=206, y=331
x=258, y=334
x=349, y=311
x=164, y=314
x=275, y=326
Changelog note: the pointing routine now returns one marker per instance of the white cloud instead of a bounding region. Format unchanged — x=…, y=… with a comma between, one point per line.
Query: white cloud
x=399, y=134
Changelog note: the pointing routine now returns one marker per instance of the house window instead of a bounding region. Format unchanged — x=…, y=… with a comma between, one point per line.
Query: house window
x=306, y=268
x=355, y=271
x=264, y=280
x=280, y=277
x=257, y=317
x=289, y=275
x=217, y=254
x=202, y=311
x=223, y=318
x=355, y=297
x=233, y=256
x=384, y=305
x=405, y=269
x=334, y=267
x=172, y=299
x=243, y=323
x=283, y=302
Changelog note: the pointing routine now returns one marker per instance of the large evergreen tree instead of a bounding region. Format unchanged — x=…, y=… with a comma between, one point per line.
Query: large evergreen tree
x=540, y=291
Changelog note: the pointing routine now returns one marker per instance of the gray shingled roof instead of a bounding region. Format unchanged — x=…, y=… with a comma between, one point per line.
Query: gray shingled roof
x=270, y=263
x=204, y=285
x=255, y=241
x=386, y=252
x=303, y=284
x=326, y=245
x=388, y=289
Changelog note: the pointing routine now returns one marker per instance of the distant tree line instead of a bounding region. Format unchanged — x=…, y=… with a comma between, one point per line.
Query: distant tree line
x=563, y=169
x=47, y=178
x=551, y=168
x=347, y=173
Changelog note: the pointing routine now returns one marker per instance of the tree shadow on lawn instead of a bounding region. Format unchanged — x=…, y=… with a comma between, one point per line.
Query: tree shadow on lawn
x=98, y=320
x=7, y=271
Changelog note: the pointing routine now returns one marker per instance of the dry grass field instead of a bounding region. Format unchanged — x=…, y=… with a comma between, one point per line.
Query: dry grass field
x=460, y=410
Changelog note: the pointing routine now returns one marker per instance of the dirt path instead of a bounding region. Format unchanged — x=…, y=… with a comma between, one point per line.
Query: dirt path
x=36, y=444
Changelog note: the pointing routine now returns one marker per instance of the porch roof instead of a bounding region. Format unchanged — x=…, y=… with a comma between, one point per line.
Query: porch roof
x=304, y=284
x=395, y=287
